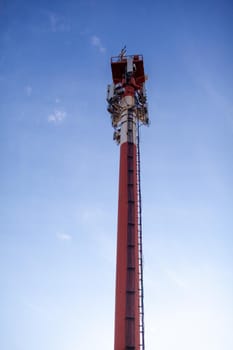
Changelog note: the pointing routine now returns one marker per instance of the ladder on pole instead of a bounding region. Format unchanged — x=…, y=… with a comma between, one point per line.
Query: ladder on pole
x=140, y=250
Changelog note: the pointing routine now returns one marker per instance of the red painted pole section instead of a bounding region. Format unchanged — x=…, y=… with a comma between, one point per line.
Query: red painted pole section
x=127, y=104
x=127, y=333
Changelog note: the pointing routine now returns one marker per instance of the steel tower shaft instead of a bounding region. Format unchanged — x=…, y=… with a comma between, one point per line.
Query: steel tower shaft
x=127, y=316
x=128, y=108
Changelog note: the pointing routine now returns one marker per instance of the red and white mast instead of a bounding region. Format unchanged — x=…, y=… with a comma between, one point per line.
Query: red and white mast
x=128, y=108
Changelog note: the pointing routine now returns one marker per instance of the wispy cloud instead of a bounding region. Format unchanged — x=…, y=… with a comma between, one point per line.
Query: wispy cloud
x=58, y=23
x=175, y=278
x=57, y=117
x=91, y=215
x=202, y=75
x=28, y=90
x=43, y=309
x=63, y=236
x=96, y=42
x=219, y=99
x=95, y=221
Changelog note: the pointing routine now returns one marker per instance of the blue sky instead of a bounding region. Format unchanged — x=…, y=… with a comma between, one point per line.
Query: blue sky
x=59, y=172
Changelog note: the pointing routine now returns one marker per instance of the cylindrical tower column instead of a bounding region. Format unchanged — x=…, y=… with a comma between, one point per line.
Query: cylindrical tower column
x=127, y=105
x=127, y=271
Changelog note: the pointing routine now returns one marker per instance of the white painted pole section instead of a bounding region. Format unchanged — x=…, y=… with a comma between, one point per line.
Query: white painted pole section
x=126, y=118
x=124, y=128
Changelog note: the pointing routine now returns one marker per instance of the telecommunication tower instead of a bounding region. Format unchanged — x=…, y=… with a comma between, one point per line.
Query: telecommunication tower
x=127, y=104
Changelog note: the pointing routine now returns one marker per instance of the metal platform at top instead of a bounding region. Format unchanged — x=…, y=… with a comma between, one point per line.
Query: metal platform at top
x=119, y=64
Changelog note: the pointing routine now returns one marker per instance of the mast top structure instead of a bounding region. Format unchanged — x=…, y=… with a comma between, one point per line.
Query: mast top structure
x=127, y=92
x=119, y=66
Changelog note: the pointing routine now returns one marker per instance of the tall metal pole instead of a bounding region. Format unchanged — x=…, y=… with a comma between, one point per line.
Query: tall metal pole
x=127, y=105
x=127, y=272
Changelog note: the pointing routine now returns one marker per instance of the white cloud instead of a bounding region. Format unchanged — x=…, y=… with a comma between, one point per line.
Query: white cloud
x=95, y=41
x=57, y=117
x=219, y=99
x=58, y=23
x=28, y=90
x=63, y=237
x=180, y=282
